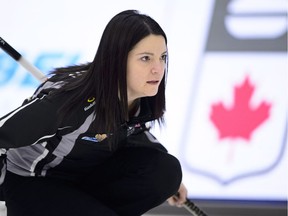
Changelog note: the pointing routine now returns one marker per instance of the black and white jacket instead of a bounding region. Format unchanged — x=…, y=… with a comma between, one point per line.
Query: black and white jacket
x=36, y=144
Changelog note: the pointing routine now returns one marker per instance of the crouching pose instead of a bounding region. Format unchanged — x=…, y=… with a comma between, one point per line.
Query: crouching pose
x=81, y=145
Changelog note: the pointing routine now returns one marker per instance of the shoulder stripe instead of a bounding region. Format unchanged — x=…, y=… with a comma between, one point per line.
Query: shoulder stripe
x=2, y=122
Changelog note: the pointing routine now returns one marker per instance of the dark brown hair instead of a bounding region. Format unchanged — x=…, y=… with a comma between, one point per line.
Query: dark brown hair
x=105, y=77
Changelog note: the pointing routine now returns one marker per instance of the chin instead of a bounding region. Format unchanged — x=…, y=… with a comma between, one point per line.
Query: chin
x=152, y=94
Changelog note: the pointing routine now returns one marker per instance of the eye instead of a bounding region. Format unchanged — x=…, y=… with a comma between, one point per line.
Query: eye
x=145, y=58
x=164, y=57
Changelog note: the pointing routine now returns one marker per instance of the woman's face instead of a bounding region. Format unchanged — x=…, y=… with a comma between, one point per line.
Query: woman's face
x=145, y=67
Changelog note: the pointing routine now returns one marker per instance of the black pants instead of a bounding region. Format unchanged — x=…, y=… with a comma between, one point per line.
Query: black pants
x=130, y=183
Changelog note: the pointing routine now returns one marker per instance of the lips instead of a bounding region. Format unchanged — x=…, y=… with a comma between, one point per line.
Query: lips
x=153, y=82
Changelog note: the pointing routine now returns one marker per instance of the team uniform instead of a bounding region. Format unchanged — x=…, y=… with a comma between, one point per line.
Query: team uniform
x=43, y=154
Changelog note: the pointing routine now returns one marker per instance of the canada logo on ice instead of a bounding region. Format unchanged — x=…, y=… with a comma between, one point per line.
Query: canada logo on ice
x=240, y=120
x=239, y=138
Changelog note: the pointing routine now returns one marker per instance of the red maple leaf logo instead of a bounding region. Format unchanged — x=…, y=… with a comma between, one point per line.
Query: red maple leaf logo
x=239, y=120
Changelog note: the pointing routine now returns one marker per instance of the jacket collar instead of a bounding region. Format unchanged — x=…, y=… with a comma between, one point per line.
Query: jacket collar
x=144, y=113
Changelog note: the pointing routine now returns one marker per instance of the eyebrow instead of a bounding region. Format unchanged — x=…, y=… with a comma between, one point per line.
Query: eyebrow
x=149, y=53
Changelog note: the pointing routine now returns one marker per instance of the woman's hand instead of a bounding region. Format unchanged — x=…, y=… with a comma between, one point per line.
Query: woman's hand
x=180, y=199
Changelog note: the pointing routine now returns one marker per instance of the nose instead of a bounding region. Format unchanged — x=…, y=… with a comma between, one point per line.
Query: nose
x=158, y=67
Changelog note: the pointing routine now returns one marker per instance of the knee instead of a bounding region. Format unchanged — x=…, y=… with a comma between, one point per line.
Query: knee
x=159, y=171
x=167, y=175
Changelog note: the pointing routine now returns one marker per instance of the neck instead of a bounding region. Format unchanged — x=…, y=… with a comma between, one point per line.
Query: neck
x=132, y=104
x=133, y=107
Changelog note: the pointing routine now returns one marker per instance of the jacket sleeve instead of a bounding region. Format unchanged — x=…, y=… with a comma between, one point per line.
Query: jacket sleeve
x=30, y=123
